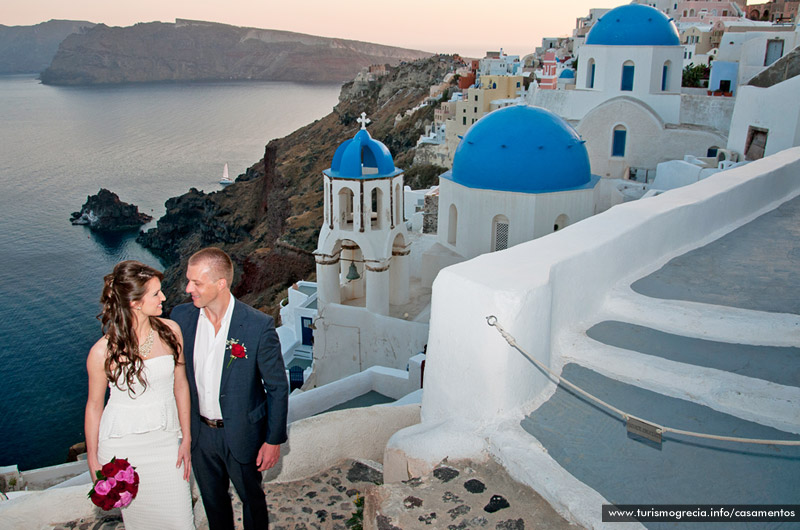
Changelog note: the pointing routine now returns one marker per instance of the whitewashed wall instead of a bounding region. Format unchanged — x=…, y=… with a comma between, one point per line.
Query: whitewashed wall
x=530, y=215
x=766, y=108
x=354, y=339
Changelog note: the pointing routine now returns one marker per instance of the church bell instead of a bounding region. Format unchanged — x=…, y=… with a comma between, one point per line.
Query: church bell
x=352, y=274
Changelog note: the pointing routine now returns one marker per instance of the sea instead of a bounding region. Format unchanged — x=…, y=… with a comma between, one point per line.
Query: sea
x=58, y=145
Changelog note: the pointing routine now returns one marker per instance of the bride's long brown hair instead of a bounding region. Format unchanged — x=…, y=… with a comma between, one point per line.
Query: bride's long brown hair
x=124, y=285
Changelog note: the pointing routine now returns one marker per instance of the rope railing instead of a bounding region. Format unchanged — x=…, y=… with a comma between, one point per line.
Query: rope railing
x=626, y=416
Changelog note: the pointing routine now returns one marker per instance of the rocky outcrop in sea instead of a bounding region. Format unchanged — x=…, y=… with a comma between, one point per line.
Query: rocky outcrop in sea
x=104, y=212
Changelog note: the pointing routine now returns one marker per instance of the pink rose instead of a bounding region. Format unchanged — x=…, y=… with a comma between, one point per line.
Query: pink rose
x=126, y=475
x=125, y=499
x=111, y=481
x=103, y=487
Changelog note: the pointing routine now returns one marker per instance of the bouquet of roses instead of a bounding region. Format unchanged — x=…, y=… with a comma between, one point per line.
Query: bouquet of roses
x=117, y=485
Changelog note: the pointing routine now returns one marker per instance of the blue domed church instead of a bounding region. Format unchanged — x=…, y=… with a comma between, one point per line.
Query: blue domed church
x=519, y=173
x=626, y=101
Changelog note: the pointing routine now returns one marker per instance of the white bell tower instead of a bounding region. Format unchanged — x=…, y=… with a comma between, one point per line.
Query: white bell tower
x=362, y=255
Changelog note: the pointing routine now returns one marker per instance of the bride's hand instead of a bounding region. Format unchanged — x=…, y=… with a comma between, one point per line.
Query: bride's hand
x=185, y=458
x=94, y=467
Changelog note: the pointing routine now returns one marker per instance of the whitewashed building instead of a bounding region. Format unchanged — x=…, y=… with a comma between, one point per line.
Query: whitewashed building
x=519, y=173
x=627, y=102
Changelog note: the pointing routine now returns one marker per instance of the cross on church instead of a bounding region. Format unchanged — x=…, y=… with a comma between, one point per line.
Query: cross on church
x=363, y=120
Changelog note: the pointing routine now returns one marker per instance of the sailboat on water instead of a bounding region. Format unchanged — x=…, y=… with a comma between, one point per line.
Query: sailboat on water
x=225, y=180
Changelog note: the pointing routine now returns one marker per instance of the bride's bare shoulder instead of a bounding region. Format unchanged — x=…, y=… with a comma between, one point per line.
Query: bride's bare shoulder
x=172, y=325
x=100, y=348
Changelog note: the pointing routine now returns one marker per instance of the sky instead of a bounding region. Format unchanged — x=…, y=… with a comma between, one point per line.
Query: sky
x=467, y=27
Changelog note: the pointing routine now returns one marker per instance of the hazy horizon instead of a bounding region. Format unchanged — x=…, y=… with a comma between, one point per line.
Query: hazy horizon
x=463, y=27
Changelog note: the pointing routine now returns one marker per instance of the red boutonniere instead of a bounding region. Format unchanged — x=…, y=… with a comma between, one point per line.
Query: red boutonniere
x=238, y=351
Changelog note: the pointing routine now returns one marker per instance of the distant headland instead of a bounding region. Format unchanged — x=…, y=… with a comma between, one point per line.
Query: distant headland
x=189, y=50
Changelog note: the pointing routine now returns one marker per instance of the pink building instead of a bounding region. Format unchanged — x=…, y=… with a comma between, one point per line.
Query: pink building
x=549, y=79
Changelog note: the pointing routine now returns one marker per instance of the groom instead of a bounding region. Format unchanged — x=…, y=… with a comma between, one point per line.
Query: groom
x=238, y=389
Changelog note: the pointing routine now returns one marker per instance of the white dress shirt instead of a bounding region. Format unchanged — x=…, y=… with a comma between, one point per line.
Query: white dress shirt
x=210, y=352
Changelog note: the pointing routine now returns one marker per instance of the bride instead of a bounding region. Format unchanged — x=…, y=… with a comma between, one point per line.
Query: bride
x=140, y=359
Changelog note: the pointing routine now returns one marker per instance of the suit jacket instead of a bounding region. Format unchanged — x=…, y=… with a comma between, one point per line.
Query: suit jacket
x=254, y=392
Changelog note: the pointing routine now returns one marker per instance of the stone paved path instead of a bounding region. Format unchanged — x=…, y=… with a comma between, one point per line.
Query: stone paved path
x=460, y=496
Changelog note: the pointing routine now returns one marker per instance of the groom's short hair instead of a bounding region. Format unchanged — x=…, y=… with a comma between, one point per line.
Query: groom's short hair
x=218, y=261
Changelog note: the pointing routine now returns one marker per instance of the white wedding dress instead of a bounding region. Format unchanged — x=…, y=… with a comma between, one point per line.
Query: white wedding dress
x=143, y=428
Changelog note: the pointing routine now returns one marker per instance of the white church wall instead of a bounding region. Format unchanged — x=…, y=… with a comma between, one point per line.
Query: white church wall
x=647, y=141
x=354, y=339
x=764, y=108
x=648, y=62
x=475, y=229
x=553, y=283
x=552, y=208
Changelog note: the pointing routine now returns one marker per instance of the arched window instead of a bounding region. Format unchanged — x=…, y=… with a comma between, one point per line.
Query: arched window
x=665, y=76
x=500, y=228
x=618, y=141
x=345, y=209
x=376, y=209
x=452, y=225
x=590, y=70
x=561, y=222
x=691, y=12
x=627, y=76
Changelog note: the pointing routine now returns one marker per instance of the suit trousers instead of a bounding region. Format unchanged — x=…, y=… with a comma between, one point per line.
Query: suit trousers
x=214, y=468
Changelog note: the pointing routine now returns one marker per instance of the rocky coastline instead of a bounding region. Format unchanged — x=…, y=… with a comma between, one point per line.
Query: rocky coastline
x=269, y=220
x=105, y=212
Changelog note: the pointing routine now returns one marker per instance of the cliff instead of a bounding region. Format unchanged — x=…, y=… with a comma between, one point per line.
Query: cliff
x=205, y=51
x=104, y=212
x=269, y=219
x=30, y=49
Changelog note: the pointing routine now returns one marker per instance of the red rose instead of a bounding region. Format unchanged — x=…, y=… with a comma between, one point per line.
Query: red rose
x=120, y=464
x=238, y=351
x=110, y=499
x=110, y=469
x=133, y=489
x=97, y=499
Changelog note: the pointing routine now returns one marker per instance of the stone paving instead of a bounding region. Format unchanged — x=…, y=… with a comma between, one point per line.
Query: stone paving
x=454, y=497
x=458, y=496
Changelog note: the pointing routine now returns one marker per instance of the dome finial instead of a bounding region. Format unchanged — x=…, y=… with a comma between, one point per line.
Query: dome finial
x=363, y=120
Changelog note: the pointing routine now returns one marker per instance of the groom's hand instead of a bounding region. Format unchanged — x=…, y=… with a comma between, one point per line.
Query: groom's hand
x=268, y=456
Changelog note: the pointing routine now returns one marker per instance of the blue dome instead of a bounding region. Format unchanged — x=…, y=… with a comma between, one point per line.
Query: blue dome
x=362, y=157
x=567, y=74
x=634, y=25
x=521, y=149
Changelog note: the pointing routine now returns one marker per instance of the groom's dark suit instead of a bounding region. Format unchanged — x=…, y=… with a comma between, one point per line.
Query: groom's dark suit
x=253, y=398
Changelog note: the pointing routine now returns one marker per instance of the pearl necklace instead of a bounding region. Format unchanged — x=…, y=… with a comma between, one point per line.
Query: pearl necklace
x=147, y=345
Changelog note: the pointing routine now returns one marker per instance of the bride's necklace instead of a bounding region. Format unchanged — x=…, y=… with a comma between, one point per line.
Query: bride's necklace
x=147, y=345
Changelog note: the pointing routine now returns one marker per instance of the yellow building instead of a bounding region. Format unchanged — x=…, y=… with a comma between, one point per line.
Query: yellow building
x=495, y=91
